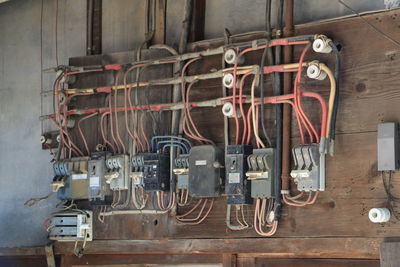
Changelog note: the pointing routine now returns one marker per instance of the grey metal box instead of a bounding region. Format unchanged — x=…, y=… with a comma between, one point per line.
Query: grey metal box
x=205, y=171
x=388, y=146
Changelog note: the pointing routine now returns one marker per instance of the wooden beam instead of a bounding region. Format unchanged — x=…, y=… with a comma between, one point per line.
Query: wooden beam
x=161, y=14
x=389, y=252
x=357, y=248
x=198, y=21
x=24, y=251
x=228, y=260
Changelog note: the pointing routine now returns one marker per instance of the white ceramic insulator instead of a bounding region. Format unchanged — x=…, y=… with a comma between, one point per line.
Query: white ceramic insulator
x=58, y=139
x=227, y=81
x=230, y=56
x=227, y=110
x=43, y=139
x=379, y=215
x=315, y=72
x=321, y=45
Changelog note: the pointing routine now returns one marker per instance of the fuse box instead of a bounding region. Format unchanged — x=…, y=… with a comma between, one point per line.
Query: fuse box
x=99, y=192
x=156, y=171
x=237, y=187
x=181, y=170
x=71, y=178
x=117, y=172
x=206, y=171
x=309, y=169
x=261, y=172
x=71, y=226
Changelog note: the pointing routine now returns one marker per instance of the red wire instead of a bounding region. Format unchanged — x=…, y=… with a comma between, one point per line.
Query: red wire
x=241, y=105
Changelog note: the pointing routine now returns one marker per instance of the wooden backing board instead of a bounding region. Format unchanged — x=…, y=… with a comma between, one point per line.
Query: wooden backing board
x=369, y=95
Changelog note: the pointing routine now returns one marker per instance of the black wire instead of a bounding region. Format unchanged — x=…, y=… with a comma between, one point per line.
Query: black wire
x=337, y=92
x=391, y=200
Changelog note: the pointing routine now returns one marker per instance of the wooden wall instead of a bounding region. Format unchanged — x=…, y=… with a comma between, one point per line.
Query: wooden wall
x=337, y=224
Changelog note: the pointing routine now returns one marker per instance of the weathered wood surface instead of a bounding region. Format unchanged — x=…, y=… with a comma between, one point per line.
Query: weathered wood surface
x=357, y=248
x=389, y=253
x=369, y=95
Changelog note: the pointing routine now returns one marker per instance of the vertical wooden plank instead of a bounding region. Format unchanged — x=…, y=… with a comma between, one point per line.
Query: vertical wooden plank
x=198, y=21
x=229, y=260
x=161, y=14
x=246, y=262
x=389, y=254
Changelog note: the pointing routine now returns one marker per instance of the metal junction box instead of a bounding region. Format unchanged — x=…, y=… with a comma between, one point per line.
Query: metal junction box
x=388, y=146
x=309, y=169
x=261, y=172
x=206, y=171
x=117, y=173
x=156, y=171
x=237, y=187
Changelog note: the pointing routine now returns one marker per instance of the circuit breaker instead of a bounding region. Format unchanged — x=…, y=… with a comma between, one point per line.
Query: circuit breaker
x=388, y=146
x=181, y=170
x=137, y=170
x=71, y=178
x=261, y=172
x=237, y=187
x=151, y=171
x=117, y=172
x=71, y=226
x=309, y=168
x=206, y=171
x=99, y=192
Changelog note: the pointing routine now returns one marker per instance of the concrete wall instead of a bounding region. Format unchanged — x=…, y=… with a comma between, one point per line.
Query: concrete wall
x=25, y=171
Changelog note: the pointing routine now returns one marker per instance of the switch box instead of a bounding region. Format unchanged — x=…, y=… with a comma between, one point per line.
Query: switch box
x=117, y=173
x=206, y=171
x=388, y=146
x=261, y=172
x=137, y=173
x=71, y=226
x=99, y=191
x=181, y=170
x=71, y=178
x=156, y=171
x=237, y=187
x=309, y=170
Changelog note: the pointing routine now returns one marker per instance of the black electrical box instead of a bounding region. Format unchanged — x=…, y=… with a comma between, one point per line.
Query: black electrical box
x=206, y=171
x=156, y=171
x=237, y=187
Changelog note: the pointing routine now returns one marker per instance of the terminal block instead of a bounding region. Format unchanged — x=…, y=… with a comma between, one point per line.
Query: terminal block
x=206, y=171
x=99, y=192
x=71, y=226
x=156, y=171
x=181, y=170
x=261, y=172
x=117, y=173
x=71, y=178
x=309, y=170
x=237, y=187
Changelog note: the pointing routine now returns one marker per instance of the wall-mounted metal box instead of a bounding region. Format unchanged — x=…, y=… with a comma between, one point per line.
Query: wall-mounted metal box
x=388, y=146
x=206, y=171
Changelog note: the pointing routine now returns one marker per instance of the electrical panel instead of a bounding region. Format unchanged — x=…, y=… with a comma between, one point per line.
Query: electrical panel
x=117, y=173
x=151, y=170
x=237, y=187
x=206, y=171
x=181, y=170
x=99, y=192
x=388, y=146
x=71, y=178
x=71, y=226
x=261, y=172
x=309, y=170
